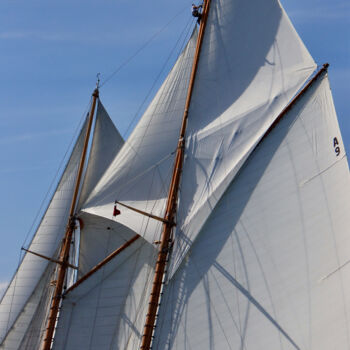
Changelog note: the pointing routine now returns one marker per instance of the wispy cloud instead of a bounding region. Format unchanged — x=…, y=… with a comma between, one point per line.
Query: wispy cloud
x=333, y=12
x=31, y=136
x=34, y=35
x=3, y=286
x=77, y=37
x=16, y=170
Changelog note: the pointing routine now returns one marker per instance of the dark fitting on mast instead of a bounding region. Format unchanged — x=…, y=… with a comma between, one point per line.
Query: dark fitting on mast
x=165, y=241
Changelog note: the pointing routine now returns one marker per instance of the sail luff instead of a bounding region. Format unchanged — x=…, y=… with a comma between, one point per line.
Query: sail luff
x=65, y=248
x=172, y=199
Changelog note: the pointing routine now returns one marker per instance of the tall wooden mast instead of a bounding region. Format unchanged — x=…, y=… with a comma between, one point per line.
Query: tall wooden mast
x=172, y=199
x=66, y=243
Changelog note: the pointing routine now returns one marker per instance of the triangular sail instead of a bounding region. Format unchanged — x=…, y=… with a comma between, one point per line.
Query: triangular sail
x=107, y=310
x=140, y=174
x=251, y=64
x=36, y=310
x=268, y=269
x=22, y=297
x=106, y=143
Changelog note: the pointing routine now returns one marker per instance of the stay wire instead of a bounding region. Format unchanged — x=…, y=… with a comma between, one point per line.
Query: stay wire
x=59, y=170
x=123, y=64
x=157, y=78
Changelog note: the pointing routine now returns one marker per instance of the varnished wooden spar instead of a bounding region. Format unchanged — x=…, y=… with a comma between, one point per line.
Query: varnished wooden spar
x=301, y=93
x=103, y=263
x=172, y=200
x=66, y=243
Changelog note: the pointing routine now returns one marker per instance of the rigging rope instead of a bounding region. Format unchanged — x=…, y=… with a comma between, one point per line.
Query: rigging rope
x=122, y=65
x=59, y=171
x=160, y=74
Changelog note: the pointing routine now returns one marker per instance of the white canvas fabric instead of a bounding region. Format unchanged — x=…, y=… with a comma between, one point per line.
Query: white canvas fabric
x=107, y=311
x=139, y=176
x=106, y=143
x=28, y=328
x=45, y=241
x=252, y=63
x=270, y=269
x=98, y=238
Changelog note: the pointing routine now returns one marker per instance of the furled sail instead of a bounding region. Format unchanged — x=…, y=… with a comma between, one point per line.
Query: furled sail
x=139, y=175
x=23, y=295
x=269, y=268
x=251, y=64
x=108, y=309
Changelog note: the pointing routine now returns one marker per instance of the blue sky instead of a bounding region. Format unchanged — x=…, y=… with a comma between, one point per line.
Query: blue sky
x=50, y=53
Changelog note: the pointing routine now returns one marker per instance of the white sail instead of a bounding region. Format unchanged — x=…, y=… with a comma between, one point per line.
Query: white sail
x=139, y=175
x=269, y=269
x=251, y=64
x=19, y=302
x=106, y=143
x=35, y=316
x=98, y=238
x=107, y=310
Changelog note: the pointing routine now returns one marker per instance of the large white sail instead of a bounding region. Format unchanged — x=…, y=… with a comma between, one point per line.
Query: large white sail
x=15, y=313
x=107, y=310
x=251, y=64
x=140, y=174
x=269, y=269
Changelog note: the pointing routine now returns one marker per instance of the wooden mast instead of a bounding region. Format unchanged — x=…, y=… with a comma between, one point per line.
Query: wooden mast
x=172, y=199
x=66, y=243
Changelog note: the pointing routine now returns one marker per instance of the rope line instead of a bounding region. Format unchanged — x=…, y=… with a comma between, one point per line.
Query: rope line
x=59, y=170
x=158, y=76
x=122, y=65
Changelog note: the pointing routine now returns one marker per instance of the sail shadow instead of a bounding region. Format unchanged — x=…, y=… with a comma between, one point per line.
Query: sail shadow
x=252, y=300
x=234, y=50
x=203, y=256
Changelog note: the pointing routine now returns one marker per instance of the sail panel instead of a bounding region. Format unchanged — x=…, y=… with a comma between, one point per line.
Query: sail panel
x=252, y=63
x=46, y=242
x=139, y=176
x=106, y=143
x=270, y=268
x=98, y=238
x=107, y=311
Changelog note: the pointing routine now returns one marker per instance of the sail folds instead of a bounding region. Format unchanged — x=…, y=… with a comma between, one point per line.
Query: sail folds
x=251, y=64
x=270, y=267
x=139, y=175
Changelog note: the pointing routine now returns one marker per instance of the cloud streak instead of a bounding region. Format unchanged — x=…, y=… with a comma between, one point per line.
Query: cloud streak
x=31, y=136
x=334, y=12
